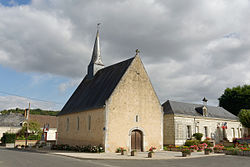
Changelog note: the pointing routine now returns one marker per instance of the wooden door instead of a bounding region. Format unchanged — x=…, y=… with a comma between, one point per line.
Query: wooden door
x=136, y=140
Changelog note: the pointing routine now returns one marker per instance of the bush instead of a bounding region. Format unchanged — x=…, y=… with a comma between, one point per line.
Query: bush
x=8, y=138
x=208, y=143
x=186, y=150
x=34, y=137
x=191, y=142
x=198, y=136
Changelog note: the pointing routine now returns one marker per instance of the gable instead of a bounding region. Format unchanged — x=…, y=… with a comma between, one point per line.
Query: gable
x=135, y=87
x=92, y=93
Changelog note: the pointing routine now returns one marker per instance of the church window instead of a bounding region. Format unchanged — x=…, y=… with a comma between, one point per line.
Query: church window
x=78, y=123
x=136, y=118
x=189, y=134
x=89, y=127
x=67, y=124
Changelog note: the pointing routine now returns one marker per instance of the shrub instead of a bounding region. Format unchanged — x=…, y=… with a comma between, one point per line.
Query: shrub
x=191, y=142
x=208, y=143
x=8, y=138
x=34, y=137
x=198, y=136
x=89, y=148
x=186, y=150
x=208, y=149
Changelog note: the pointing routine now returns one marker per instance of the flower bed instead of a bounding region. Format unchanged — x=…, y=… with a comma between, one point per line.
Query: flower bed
x=89, y=148
x=243, y=151
x=218, y=148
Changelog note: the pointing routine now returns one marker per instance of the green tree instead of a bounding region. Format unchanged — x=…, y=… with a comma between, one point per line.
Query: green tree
x=236, y=98
x=33, y=129
x=244, y=117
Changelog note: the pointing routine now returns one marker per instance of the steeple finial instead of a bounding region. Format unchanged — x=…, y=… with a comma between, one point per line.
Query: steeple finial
x=96, y=61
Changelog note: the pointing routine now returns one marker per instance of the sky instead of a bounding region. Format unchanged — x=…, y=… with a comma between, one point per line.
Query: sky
x=190, y=49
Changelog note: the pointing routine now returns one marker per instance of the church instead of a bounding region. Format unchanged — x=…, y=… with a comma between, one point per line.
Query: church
x=117, y=106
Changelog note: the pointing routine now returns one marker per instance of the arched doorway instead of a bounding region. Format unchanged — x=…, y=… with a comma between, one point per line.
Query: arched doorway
x=137, y=140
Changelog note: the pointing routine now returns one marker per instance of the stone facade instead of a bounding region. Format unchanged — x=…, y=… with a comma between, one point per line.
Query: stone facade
x=134, y=96
x=204, y=125
x=133, y=105
x=89, y=130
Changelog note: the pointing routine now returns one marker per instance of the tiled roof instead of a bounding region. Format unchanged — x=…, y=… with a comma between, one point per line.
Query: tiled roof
x=92, y=93
x=44, y=119
x=173, y=107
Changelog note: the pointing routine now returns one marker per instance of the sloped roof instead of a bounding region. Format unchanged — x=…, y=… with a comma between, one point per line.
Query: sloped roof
x=92, y=93
x=43, y=119
x=173, y=107
x=11, y=120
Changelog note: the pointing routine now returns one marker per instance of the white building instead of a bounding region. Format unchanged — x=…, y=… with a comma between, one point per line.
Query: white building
x=182, y=120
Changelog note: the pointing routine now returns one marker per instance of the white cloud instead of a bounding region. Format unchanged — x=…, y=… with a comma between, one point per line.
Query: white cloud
x=69, y=84
x=7, y=102
x=191, y=49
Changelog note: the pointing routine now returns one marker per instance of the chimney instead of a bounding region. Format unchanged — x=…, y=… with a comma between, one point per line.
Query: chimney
x=204, y=101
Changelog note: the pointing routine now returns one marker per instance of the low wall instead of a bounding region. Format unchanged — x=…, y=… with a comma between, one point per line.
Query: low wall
x=29, y=142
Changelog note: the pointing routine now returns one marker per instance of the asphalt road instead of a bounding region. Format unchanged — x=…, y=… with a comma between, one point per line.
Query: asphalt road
x=12, y=158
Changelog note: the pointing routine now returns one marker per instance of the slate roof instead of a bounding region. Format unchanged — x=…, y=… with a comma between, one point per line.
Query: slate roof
x=92, y=93
x=11, y=120
x=173, y=107
x=43, y=119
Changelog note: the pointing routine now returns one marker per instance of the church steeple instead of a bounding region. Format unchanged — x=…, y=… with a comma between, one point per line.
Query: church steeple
x=96, y=61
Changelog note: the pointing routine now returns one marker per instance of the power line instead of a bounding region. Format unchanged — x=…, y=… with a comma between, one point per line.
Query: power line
x=31, y=98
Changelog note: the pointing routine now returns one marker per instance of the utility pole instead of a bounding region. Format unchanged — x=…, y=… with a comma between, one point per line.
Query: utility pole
x=27, y=126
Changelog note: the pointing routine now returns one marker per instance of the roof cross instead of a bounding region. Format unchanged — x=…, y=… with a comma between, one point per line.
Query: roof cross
x=137, y=51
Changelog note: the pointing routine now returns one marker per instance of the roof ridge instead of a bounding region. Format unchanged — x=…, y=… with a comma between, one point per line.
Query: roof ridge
x=112, y=65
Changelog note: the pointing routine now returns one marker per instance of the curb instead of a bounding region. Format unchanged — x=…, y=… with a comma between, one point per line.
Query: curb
x=139, y=158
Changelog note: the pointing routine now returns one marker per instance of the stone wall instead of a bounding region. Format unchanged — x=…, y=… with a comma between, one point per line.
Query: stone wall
x=168, y=129
x=84, y=135
x=134, y=96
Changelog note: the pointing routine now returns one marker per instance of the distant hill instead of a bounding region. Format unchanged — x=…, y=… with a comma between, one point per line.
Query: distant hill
x=32, y=111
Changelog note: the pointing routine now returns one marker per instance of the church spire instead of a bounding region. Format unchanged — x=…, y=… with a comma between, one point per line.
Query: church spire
x=96, y=61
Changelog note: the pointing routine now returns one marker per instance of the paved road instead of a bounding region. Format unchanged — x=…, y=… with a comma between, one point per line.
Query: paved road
x=11, y=158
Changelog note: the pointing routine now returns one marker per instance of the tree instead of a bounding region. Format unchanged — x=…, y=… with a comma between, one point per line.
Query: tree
x=244, y=117
x=33, y=128
x=236, y=98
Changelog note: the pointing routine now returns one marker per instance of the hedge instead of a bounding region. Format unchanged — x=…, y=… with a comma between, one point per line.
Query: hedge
x=8, y=138
x=191, y=142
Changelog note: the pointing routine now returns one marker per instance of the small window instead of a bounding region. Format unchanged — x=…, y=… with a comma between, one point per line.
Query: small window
x=206, y=132
x=89, y=127
x=189, y=134
x=136, y=118
x=67, y=124
x=78, y=123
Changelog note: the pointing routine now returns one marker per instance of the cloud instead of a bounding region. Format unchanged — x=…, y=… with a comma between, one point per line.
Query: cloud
x=191, y=49
x=7, y=102
x=69, y=84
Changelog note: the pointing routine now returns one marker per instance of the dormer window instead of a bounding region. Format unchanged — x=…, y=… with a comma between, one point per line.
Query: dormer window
x=204, y=109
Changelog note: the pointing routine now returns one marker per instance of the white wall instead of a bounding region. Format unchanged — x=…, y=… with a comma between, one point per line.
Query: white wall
x=181, y=123
x=9, y=130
